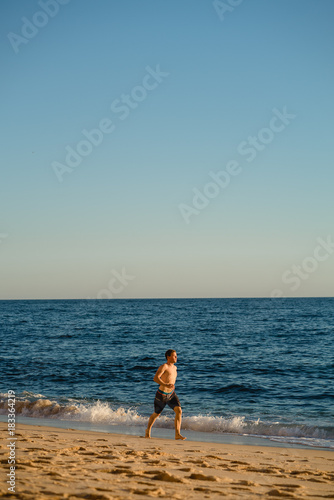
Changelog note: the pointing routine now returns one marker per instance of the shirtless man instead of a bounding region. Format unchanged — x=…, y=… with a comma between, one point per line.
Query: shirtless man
x=166, y=377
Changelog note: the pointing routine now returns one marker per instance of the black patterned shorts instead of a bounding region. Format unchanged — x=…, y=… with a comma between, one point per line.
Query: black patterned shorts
x=161, y=400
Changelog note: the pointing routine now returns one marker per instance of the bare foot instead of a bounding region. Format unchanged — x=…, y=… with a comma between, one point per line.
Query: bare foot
x=180, y=437
x=147, y=434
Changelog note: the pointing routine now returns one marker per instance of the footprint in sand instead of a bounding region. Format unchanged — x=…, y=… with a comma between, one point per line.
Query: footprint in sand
x=105, y=471
x=306, y=472
x=315, y=480
x=25, y=463
x=156, y=492
x=162, y=453
x=203, y=477
x=54, y=474
x=293, y=486
x=108, y=456
x=268, y=470
x=207, y=490
x=96, y=496
x=239, y=488
x=155, y=462
x=199, y=462
x=280, y=493
x=135, y=453
x=166, y=476
x=214, y=456
x=117, y=471
x=244, y=482
x=89, y=453
x=43, y=460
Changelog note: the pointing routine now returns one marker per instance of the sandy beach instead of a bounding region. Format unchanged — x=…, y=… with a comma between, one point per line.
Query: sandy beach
x=54, y=463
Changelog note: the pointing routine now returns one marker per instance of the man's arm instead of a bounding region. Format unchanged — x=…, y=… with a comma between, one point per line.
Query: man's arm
x=157, y=376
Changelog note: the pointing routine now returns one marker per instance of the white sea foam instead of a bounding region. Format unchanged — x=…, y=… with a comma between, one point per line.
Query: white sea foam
x=104, y=413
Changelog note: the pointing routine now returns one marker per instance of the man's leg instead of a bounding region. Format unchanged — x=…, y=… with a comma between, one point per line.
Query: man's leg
x=178, y=419
x=151, y=421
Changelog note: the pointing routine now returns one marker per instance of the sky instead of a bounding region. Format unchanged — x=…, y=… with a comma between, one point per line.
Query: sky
x=161, y=149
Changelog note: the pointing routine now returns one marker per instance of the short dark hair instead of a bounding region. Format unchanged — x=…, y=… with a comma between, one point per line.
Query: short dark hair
x=169, y=352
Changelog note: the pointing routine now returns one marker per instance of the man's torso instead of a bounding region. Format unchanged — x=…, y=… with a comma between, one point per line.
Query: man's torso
x=169, y=377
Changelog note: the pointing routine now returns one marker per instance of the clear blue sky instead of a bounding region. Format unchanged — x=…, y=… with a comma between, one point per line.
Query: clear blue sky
x=67, y=235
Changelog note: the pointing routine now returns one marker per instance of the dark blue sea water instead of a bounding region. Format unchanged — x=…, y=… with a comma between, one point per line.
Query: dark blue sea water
x=260, y=367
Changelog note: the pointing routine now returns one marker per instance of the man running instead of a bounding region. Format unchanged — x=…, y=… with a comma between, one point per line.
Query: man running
x=166, y=377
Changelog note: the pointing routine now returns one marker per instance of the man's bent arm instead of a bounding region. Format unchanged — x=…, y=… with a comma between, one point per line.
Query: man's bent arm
x=157, y=376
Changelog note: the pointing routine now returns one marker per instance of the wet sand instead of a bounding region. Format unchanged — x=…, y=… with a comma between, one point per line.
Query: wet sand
x=53, y=463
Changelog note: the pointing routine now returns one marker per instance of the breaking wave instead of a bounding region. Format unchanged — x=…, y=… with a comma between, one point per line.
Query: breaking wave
x=37, y=406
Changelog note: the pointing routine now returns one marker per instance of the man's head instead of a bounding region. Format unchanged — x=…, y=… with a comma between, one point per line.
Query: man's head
x=171, y=353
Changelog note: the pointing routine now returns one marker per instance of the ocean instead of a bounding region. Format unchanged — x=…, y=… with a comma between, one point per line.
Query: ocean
x=247, y=368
